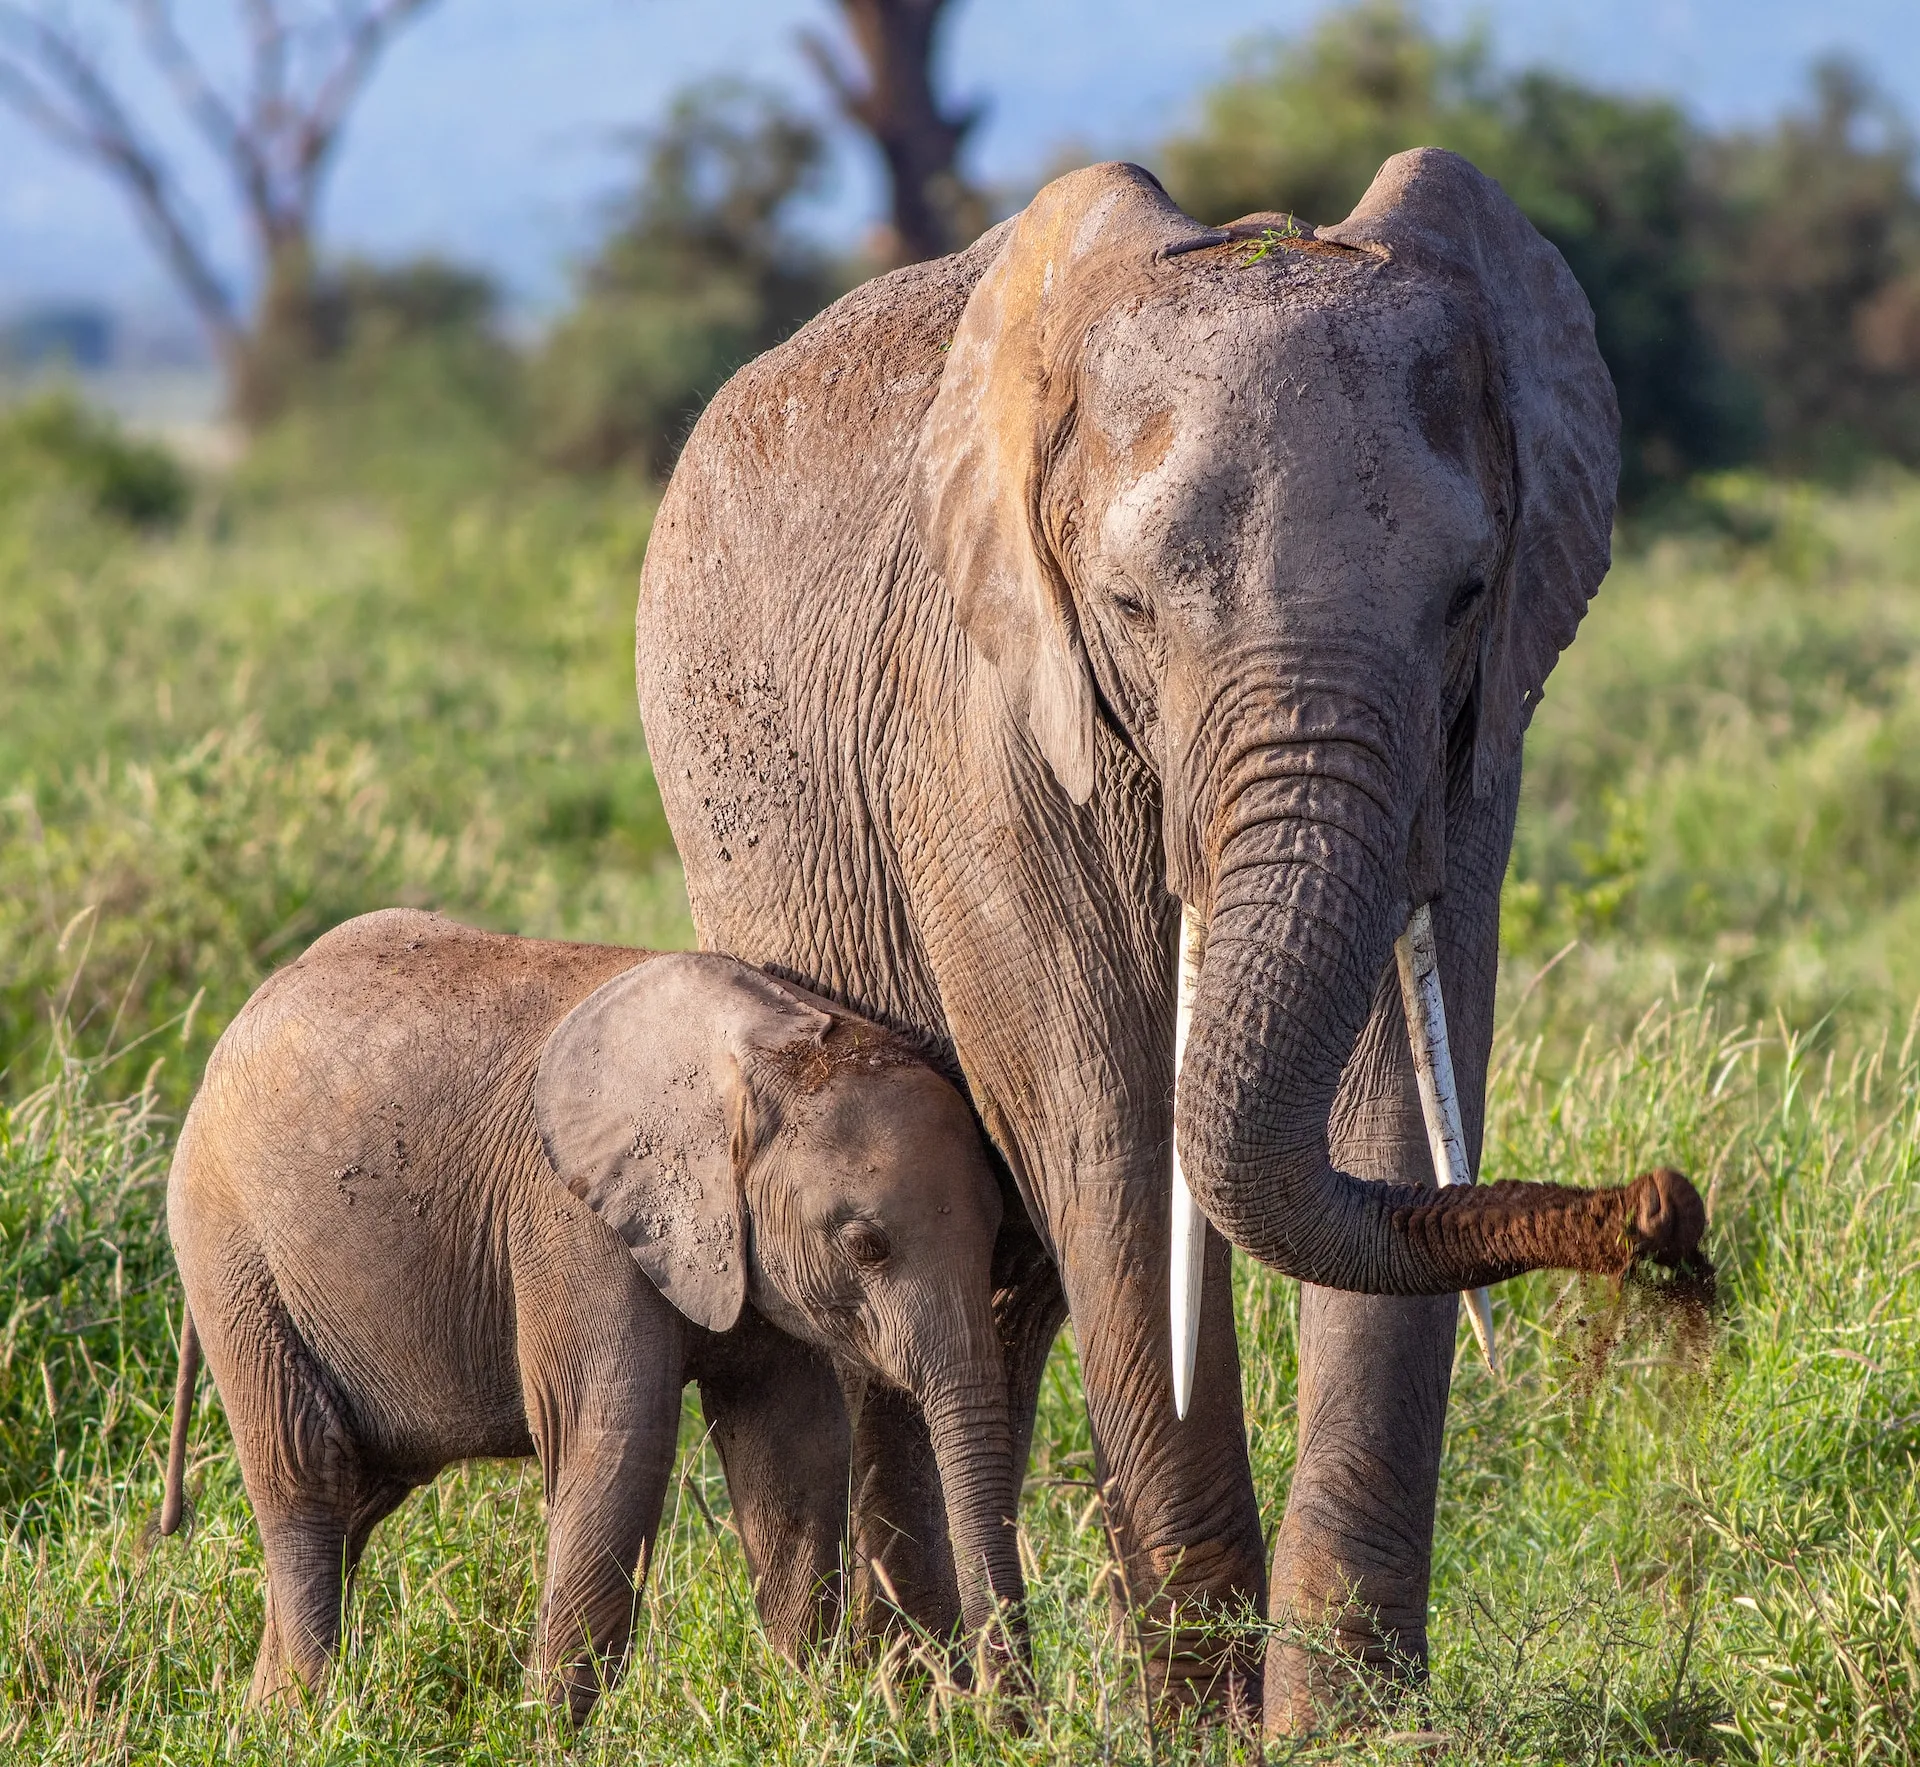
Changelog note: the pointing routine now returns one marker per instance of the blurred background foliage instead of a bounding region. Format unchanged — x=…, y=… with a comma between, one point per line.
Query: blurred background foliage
x=391, y=671
x=380, y=653
x=701, y=269
x=1756, y=291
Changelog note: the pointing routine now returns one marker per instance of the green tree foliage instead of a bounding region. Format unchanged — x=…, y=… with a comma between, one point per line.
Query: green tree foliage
x=406, y=377
x=701, y=270
x=56, y=444
x=1306, y=124
x=373, y=307
x=1813, y=253
x=1611, y=182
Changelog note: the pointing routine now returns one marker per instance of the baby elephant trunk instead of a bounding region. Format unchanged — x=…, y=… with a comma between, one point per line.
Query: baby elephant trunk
x=966, y=1411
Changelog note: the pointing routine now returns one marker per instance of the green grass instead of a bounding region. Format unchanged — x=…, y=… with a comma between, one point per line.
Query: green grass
x=315, y=696
x=219, y=742
x=1725, y=774
x=1672, y=1557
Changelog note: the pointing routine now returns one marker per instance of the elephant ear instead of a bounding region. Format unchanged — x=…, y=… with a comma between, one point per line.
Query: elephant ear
x=1437, y=214
x=1006, y=395
x=651, y=1096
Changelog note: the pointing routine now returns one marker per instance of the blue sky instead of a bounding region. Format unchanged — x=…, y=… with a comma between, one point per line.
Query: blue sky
x=491, y=134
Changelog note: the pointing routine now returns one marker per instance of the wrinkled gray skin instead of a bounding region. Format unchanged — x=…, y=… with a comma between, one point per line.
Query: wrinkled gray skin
x=399, y=1206
x=1026, y=592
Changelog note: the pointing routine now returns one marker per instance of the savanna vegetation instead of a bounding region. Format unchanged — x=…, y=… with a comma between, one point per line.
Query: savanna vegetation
x=386, y=658
x=1756, y=292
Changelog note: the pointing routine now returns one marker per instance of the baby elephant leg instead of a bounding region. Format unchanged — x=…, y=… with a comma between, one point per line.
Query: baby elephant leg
x=780, y=1425
x=315, y=1497
x=312, y=1548
x=602, y=1361
x=605, y=1489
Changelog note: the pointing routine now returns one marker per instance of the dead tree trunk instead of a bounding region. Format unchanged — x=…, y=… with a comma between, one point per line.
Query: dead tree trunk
x=276, y=138
x=934, y=210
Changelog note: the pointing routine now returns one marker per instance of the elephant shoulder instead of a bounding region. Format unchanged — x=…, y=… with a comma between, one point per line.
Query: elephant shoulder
x=402, y=989
x=865, y=368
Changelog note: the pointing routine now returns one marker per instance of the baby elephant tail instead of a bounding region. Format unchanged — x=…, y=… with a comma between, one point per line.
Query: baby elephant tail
x=174, y=1504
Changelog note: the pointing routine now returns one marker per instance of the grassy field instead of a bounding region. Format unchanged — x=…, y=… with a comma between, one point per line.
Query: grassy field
x=1724, y=780
x=303, y=703
x=312, y=697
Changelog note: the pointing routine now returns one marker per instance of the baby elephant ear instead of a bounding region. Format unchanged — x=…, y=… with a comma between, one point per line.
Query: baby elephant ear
x=645, y=1104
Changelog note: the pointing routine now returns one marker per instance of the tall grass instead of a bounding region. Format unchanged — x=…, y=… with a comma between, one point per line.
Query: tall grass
x=149, y=887
x=1676, y=1556
x=1725, y=774
x=219, y=742
x=314, y=698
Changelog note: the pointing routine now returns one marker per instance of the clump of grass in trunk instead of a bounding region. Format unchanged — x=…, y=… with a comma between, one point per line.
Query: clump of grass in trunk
x=1665, y=1320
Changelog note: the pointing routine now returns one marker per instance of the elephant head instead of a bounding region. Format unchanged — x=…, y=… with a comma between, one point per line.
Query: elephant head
x=750, y=1142
x=1306, y=520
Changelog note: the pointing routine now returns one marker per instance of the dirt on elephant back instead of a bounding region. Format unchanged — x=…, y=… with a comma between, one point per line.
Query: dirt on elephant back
x=1648, y=1319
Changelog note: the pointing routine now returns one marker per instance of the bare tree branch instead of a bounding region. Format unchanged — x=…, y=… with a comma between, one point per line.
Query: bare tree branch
x=267, y=109
x=88, y=119
x=364, y=43
x=276, y=140
x=202, y=102
x=855, y=103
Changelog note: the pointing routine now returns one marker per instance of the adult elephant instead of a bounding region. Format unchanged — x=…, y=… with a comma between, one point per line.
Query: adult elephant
x=1114, y=562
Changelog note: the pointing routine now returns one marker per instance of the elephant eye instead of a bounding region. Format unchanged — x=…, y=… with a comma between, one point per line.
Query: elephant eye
x=1133, y=606
x=1463, y=599
x=864, y=1242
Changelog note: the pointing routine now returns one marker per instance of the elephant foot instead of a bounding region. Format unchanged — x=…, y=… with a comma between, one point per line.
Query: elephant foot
x=1349, y=1677
x=1322, y=1692
x=1352, y=1559
x=1199, y=1659
x=1220, y=1687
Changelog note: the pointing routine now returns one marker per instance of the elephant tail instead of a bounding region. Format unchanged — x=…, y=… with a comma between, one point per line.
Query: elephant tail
x=173, y=1506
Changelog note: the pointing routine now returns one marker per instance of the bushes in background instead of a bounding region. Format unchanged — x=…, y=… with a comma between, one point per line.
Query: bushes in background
x=700, y=271
x=56, y=444
x=1756, y=293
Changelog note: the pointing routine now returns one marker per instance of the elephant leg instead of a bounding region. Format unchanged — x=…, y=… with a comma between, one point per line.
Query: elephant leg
x=305, y=1587
x=780, y=1426
x=1354, y=1553
x=602, y=1363
x=1352, y=1558
x=316, y=1494
x=1062, y=1017
x=1181, y=1514
x=603, y=1512
x=903, y=1572
x=313, y=1543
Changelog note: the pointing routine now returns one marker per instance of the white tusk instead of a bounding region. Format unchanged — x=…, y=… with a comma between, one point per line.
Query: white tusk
x=1433, y=1068
x=1189, y=1225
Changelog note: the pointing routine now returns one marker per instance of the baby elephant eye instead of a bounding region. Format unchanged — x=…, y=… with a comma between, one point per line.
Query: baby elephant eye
x=864, y=1242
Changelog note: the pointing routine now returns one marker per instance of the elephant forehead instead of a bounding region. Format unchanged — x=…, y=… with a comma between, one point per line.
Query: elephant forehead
x=1248, y=443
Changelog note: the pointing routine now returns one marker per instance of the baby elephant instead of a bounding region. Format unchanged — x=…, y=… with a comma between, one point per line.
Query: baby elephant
x=446, y=1194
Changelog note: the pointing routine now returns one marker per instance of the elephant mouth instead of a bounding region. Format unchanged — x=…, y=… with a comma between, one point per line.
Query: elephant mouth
x=1301, y=931
x=1440, y=1106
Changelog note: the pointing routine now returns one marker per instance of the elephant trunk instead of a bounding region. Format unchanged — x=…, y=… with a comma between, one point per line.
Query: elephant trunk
x=972, y=1434
x=1308, y=896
